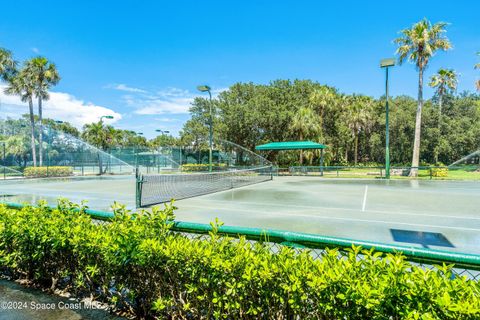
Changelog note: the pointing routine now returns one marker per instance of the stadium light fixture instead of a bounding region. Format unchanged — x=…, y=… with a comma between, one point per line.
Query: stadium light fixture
x=205, y=88
x=386, y=63
x=106, y=117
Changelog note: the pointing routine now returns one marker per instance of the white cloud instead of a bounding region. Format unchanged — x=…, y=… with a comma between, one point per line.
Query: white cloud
x=61, y=106
x=166, y=119
x=161, y=105
x=124, y=87
x=35, y=50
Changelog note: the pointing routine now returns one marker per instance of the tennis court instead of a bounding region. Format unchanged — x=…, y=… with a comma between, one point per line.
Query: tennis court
x=100, y=191
x=434, y=214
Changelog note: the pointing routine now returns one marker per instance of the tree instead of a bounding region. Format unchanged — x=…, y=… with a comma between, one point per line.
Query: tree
x=358, y=116
x=477, y=66
x=96, y=134
x=306, y=123
x=20, y=84
x=8, y=65
x=444, y=81
x=43, y=75
x=418, y=44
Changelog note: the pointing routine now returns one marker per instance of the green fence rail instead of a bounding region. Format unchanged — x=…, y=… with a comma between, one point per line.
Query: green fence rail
x=464, y=263
x=466, y=172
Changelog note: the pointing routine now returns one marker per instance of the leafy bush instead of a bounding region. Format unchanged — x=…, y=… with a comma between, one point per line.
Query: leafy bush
x=440, y=172
x=202, y=167
x=138, y=264
x=42, y=172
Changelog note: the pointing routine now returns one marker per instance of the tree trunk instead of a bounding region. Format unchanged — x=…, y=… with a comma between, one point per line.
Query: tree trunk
x=40, y=134
x=418, y=127
x=100, y=165
x=356, y=150
x=32, y=127
x=440, y=101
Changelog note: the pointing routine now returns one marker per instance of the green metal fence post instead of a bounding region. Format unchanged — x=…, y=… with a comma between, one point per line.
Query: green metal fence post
x=138, y=188
x=4, y=161
x=321, y=162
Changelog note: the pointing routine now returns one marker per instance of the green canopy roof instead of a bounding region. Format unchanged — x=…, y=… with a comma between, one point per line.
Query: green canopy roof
x=291, y=145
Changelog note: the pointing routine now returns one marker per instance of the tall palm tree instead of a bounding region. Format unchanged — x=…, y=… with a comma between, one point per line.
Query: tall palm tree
x=444, y=81
x=306, y=123
x=44, y=75
x=8, y=65
x=418, y=44
x=359, y=117
x=477, y=66
x=22, y=86
x=97, y=135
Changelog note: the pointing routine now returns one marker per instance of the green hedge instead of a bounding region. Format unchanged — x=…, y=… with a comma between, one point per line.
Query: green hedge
x=440, y=172
x=139, y=265
x=42, y=172
x=193, y=167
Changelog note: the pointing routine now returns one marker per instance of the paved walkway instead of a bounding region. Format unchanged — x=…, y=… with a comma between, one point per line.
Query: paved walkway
x=19, y=303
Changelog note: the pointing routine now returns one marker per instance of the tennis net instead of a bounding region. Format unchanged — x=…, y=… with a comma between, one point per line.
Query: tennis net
x=158, y=188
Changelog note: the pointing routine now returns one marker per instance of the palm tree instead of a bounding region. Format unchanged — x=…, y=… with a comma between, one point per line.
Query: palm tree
x=306, y=123
x=418, y=44
x=21, y=85
x=97, y=135
x=44, y=75
x=359, y=118
x=445, y=81
x=8, y=65
x=477, y=66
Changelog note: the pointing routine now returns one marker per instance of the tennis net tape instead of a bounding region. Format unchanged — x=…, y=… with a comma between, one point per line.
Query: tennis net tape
x=159, y=188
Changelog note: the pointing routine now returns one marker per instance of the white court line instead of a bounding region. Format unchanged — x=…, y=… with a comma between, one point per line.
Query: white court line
x=270, y=204
x=342, y=219
x=365, y=198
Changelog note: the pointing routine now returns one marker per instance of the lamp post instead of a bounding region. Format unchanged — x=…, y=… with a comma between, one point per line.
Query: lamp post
x=163, y=132
x=106, y=117
x=386, y=63
x=205, y=88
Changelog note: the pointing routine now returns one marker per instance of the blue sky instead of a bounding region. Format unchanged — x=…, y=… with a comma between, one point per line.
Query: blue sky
x=141, y=60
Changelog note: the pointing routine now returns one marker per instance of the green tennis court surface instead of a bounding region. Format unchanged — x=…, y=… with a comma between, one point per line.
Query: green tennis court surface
x=434, y=214
x=99, y=191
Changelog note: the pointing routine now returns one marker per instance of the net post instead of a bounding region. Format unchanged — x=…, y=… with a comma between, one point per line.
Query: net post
x=138, y=188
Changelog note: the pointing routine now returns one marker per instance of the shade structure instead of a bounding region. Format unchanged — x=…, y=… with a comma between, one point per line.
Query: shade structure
x=291, y=145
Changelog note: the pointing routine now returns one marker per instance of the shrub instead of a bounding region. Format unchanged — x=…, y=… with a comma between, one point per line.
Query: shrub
x=137, y=263
x=202, y=167
x=441, y=172
x=42, y=172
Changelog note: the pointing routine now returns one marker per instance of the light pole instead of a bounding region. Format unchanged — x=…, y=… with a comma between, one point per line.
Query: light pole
x=163, y=132
x=50, y=142
x=386, y=63
x=106, y=117
x=205, y=88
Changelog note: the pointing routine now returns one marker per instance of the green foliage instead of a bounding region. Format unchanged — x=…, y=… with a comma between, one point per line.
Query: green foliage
x=441, y=172
x=139, y=265
x=193, y=167
x=42, y=172
x=251, y=114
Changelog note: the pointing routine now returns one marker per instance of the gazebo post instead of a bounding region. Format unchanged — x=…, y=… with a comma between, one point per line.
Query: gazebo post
x=321, y=162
